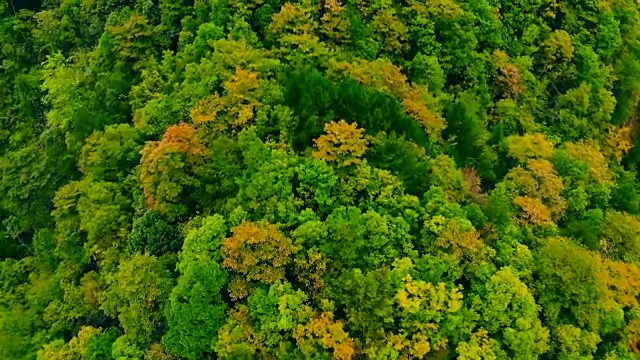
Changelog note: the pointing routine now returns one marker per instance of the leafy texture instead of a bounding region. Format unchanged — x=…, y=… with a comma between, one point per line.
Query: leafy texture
x=333, y=179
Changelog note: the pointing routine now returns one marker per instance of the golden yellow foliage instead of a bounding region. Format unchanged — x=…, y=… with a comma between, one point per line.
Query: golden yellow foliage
x=522, y=181
x=206, y=110
x=437, y=9
x=418, y=295
x=237, y=330
x=603, y=5
x=612, y=285
x=292, y=19
x=510, y=75
x=75, y=349
x=622, y=280
x=538, y=191
x=159, y=161
x=236, y=108
x=550, y=186
x=239, y=288
x=619, y=142
x=421, y=306
x=92, y=290
x=258, y=251
x=415, y=105
x=478, y=347
x=459, y=242
x=447, y=9
x=533, y=210
x=631, y=334
x=322, y=329
x=297, y=32
x=242, y=93
x=157, y=352
x=559, y=46
x=343, y=143
x=133, y=38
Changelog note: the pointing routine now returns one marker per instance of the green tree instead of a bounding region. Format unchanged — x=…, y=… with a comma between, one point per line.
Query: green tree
x=196, y=310
x=152, y=234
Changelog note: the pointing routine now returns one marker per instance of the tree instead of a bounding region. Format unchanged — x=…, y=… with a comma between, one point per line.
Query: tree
x=76, y=349
x=152, y=234
x=137, y=295
x=538, y=191
x=576, y=343
x=343, y=143
x=109, y=155
x=432, y=304
x=529, y=146
x=479, y=347
x=167, y=169
x=324, y=332
x=257, y=252
x=510, y=309
x=621, y=236
x=285, y=180
x=605, y=286
x=237, y=108
x=387, y=78
x=196, y=310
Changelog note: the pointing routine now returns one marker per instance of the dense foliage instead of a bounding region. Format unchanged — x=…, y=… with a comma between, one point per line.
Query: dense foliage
x=235, y=179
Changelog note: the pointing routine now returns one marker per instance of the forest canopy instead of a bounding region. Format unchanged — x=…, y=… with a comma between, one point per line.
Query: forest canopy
x=331, y=179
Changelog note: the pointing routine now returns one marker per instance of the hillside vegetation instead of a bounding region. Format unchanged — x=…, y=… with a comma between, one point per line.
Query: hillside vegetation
x=326, y=179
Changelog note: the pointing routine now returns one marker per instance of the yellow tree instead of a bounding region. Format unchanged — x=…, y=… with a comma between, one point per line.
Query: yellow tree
x=479, y=347
x=257, y=252
x=236, y=107
x=76, y=349
x=421, y=307
x=390, y=31
x=537, y=190
x=533, y=210
x=342, y=143
x=619, y=141
x=529, y=146
x=326, y=332
x=510, y=75
x=457, y=240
